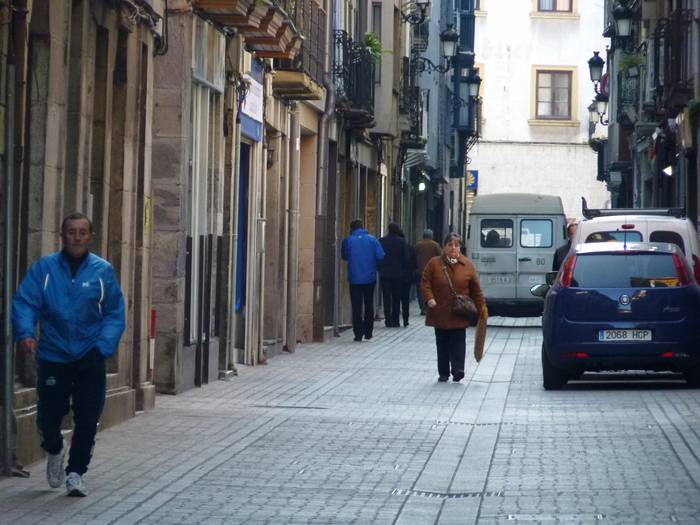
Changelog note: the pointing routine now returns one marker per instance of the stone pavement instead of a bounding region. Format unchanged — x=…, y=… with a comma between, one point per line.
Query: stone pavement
x=345, y=432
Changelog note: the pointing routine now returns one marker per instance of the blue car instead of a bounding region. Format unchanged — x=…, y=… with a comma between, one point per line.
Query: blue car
x=620, y=306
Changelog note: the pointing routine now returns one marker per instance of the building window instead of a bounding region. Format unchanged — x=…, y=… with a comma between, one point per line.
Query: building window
x=377, y=30
x=553, y=95
x=557, y=6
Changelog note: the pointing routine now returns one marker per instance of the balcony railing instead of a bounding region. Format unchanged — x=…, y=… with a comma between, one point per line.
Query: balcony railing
x=673, y=58
x=353, y=73
x=310, y=20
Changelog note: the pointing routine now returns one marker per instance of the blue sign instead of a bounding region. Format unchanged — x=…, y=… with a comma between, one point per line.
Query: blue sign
x=472, y=179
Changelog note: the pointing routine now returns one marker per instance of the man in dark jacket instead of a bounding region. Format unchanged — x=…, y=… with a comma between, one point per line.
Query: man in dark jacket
x=363, y=253
x=393, y=273
x=563, y=250
x=426, y=249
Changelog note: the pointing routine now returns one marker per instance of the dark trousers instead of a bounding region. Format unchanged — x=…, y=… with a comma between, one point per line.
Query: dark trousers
x=451, y=351
x=362, y=294
x=391, y=298
x=405, y=297
x=82, y=382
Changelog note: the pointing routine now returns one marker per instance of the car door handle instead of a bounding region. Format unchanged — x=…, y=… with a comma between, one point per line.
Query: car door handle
x=524, y=259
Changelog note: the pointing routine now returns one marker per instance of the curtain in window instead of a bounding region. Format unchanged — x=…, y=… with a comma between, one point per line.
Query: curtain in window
x=554, y=5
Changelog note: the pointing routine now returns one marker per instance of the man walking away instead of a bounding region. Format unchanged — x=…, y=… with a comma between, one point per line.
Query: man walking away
x=75, y=297
x=426, y=249
x=363, y=253
x=393, y=273
x=563, y=250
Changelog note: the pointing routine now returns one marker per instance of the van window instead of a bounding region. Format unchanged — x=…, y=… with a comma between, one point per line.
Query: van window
x=622, y=236
x=666, y=236
x=536, y=233
x=496, y=233
x=629, y=270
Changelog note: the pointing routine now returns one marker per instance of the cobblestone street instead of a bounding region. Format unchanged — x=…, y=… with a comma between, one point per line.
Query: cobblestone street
x=347, y=432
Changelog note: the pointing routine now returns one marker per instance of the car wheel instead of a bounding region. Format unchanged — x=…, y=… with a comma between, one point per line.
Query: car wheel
x=553, y=378
x=692, y=377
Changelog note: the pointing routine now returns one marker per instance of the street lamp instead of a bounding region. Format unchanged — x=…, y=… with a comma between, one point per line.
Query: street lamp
x=474, y=82
x=623, y=15
x=601, y=106
x=595, y=66
x=448, y=38
x=415, y=12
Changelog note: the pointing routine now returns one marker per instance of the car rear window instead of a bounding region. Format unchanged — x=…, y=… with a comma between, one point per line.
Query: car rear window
x=622, y=236
x=625, y=270
x=666, y=236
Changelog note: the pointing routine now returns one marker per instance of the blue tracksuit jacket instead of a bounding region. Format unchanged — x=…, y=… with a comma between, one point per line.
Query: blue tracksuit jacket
x=75, y=314
x=363, y=253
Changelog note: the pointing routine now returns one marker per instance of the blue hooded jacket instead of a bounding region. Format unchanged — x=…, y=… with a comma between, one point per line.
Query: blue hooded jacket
x=75, y=314
x=363, y=253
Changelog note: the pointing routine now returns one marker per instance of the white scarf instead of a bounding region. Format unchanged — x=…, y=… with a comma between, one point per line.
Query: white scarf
x=451, y=260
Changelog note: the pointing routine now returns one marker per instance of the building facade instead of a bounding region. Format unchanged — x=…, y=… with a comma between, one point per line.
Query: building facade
x=535, y=91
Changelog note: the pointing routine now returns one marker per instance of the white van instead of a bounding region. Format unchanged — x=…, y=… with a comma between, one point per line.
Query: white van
x=511, y=239
x=641, y=225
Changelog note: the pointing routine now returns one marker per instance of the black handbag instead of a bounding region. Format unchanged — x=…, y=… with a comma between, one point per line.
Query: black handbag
x=462, y=305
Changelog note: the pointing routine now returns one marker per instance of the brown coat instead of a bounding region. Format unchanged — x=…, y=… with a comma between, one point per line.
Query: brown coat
x=434, y=285
x=426, y=249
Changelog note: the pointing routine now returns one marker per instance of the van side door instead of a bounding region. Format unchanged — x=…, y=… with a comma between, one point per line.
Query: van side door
x=494, y=256
x=535, y=251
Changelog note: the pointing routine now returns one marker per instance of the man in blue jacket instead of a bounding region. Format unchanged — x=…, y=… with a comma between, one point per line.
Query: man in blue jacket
x=363, y=253
x=75, y=297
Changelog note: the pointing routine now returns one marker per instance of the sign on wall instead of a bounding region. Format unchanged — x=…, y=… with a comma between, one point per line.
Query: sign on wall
x=472, y=179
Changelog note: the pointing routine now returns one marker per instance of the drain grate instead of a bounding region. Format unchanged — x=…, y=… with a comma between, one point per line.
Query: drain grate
x=555, y=517
x=289, y=406
x=445, y=495
x=444, y=422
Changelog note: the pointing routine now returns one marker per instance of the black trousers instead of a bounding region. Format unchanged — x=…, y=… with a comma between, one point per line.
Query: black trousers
x=83, y=382
x=362, y=322
x=451, y=351
x=391, y=298
x=405, y=297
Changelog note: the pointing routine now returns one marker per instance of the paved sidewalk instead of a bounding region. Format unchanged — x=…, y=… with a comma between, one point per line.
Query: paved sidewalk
x=345, y=432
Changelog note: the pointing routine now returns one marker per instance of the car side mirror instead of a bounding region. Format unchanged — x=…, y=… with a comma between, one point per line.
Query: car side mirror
x=549, y=277
x=539, y=290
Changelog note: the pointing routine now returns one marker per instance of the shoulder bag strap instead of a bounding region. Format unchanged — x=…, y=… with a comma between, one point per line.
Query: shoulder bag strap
x=449, y=281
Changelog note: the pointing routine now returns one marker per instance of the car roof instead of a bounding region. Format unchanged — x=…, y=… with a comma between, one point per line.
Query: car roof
x=614, y=247
x=624, y=219
x=517, y=203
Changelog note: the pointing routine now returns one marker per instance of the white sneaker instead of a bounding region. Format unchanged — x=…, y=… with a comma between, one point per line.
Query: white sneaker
x=54, y=468
x=75, y=485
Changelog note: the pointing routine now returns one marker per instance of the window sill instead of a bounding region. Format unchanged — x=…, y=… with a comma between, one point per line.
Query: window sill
x=554, y=123
x=555, y=16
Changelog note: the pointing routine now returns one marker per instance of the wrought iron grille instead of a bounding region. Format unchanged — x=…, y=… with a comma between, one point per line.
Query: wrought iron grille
x=310, y=20
x=678, y=49
x=353, y=73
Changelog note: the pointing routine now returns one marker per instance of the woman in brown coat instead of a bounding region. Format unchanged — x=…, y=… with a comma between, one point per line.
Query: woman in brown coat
x=450, y=329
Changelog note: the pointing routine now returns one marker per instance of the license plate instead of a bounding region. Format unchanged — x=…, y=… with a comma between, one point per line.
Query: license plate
x=624, y=335
x=497, y=279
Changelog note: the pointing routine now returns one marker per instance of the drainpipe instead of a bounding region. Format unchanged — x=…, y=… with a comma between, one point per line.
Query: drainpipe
x=322, y=181
x=293, y=227
x=8, y=285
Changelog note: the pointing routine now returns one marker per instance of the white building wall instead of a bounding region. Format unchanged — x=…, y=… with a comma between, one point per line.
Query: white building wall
x=514, y=153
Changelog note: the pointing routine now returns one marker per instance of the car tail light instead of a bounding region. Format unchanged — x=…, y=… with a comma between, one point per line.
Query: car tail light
x=567, y=271
x=696, y=268
x=681, y=269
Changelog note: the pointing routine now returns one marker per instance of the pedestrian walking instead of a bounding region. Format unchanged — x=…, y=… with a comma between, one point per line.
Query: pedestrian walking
x=363, y=253
x=75, y=297
x=564, y=249
x=409, y=277
x=425, y=250
x=393, y=272
x=441, y=275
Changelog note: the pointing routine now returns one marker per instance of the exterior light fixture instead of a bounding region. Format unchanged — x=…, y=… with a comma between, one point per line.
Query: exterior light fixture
x=595, y=66
x=601, y=107
x=668, y=170
x=449, y=38
x=593, y=116
x=474, y=82
x=415, y=12
x=623, y=16
x=421, y=186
